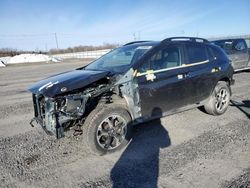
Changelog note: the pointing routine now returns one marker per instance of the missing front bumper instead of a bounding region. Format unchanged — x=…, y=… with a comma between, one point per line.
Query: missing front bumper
x=46, y=116
x=59, y=130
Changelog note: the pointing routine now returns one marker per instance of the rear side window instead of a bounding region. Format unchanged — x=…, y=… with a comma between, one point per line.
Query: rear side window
x=196, y=53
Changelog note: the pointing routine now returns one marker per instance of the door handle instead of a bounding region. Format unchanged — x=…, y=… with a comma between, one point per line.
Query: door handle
x=216, y=69
x=183, y=75
x=187, y=74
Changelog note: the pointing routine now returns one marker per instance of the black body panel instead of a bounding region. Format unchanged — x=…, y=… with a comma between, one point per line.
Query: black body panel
x=181, y=86
x=166, y=92
x=68, y=81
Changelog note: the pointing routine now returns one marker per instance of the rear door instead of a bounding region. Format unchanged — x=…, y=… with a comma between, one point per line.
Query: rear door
x=163, y=82
x=201, y=71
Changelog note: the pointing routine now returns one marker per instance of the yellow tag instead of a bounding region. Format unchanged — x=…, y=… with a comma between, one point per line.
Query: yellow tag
x=135, y=72
x=150, y=76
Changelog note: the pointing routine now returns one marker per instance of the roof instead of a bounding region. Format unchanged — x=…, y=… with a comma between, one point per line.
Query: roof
x=168, y=40
x=148, y=43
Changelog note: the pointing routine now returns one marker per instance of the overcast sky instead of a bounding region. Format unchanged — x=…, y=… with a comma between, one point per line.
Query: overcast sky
x=30, y=24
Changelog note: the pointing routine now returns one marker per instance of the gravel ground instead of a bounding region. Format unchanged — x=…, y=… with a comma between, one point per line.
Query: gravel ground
x=189, y=149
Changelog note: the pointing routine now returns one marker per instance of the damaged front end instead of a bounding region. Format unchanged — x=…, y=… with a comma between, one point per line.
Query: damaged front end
x=55, y=115
x=68, y=98
x=61, y=101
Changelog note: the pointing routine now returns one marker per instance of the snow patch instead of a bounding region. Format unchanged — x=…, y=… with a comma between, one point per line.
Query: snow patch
x=27, y=58
x=5, y=59
x=31, y=58
x=2, y=64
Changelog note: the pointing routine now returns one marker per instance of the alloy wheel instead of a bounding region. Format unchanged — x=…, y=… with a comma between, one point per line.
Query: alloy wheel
x=111, y=132
x=222, y=99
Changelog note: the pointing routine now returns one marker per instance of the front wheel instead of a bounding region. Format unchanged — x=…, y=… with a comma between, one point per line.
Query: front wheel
x=108, y=128
x=219, y=100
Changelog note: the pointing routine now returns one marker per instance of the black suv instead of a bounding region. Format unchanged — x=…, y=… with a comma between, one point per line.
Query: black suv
x=134, y=83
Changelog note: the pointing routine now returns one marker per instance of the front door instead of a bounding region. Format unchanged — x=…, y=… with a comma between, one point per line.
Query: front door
x=163, y=82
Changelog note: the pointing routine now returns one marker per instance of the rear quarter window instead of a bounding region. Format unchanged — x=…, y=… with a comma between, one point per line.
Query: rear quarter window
x=218, y=53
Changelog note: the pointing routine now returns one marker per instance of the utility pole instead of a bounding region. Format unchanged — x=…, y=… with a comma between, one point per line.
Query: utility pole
x=134, y=36
x=139, y=35
x=56, y=40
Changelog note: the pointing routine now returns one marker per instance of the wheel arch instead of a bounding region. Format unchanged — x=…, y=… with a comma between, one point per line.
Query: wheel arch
x=222, y=79
x=225, y=79
x=116, y=99
x=228, y=81
x=125, y=102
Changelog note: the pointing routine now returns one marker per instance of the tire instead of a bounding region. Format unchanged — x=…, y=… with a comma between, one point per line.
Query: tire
x=107, y=129
x=219, y=100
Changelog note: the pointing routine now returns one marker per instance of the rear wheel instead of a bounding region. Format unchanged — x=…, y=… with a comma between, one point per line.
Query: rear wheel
x=219, y=100
x=108, y=128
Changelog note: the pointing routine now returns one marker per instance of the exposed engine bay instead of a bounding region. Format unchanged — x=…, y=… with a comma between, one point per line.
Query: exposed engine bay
x=59, y=113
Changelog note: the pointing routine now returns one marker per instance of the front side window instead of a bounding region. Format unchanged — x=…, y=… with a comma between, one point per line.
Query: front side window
x=196, y=53
x=162, y=59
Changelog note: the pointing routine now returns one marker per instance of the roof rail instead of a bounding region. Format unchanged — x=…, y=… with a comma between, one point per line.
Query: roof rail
x=193, y=39
x=134, y=42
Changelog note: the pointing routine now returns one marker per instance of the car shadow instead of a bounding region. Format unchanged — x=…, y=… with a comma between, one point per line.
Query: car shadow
x=243, y=106
x=138, y=166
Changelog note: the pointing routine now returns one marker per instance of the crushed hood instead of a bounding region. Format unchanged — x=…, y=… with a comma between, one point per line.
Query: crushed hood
x=65, y=82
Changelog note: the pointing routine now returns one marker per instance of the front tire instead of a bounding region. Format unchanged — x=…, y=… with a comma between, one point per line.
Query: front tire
x=107, y=128
x=219, y=100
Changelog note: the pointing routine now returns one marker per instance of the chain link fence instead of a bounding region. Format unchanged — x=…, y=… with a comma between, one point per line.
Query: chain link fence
x=82, y=55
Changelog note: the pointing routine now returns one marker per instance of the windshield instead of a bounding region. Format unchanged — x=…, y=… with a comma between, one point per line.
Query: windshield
x=120, y=59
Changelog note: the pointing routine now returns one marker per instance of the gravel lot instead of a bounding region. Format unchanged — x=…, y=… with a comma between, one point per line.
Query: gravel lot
x=189, y=149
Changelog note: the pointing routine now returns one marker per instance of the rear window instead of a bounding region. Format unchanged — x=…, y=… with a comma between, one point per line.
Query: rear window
x=196, y=53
